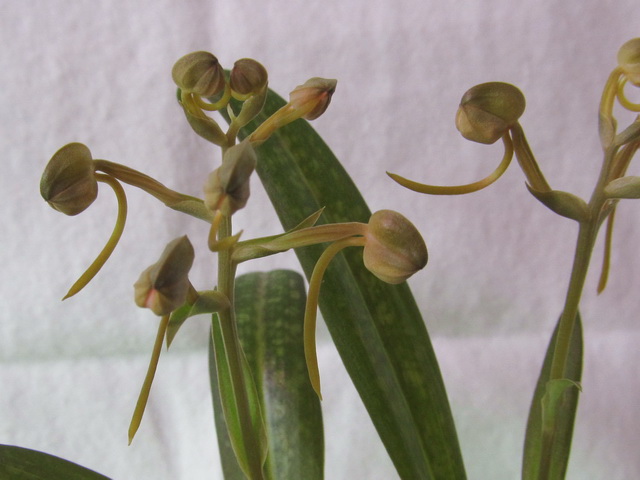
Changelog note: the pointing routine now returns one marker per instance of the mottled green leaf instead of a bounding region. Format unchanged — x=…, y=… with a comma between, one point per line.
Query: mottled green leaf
x=552, y=415
x=269, y=313
x=377, y=328
x=17, y=463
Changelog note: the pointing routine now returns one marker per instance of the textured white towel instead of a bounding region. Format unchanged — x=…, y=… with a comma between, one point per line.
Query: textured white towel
x=98, y=72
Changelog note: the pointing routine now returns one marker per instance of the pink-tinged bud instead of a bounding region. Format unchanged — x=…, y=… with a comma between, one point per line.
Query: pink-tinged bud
x=488, y=110
x=68, y=182
x=629, y=60
x=199, y=73
x=313, y=97
x=394, y=249
x=163, y=287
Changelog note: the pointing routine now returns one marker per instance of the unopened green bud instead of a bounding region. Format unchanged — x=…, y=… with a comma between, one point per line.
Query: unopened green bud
x=248, y=77
x=488, y=110
x=394, y=249
x=227, y=188
x=163, y=287
x=199, y=73
x=68, y=182
x=313, y=97
x=629, y=60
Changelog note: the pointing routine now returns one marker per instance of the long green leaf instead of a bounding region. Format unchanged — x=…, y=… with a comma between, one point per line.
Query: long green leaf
x=17, y=463
x=269, y=313
x=376, y=327
x=552, y=415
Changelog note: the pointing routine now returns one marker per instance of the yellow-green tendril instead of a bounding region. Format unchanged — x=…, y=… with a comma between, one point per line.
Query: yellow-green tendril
x=106, y=252
x=609, y=93
x=624, y=101
x=212, y=107
x=148, y=379
x=311, y=308
x=461, y=189
x=606, y=260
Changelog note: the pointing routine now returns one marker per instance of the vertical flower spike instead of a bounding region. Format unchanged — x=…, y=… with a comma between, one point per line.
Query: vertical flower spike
x=307, y=101
x=69, y=184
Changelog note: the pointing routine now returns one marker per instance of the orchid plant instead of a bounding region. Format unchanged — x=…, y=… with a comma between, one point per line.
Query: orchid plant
x=263, y=360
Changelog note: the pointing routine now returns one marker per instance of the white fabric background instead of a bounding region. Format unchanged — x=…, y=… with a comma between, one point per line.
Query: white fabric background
x=98, y=72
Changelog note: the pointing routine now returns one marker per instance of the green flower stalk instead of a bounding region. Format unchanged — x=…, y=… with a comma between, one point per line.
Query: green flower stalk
x=163, y=287
x=70, y=185
x=491, y=111
x=393, y=251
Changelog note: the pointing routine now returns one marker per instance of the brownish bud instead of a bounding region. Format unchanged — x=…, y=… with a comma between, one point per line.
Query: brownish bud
x=163, y=287
x=248, y=77
x=68, y=182
x=488, y=110
x=199, y=73
x=394, y=249
x=227, y=187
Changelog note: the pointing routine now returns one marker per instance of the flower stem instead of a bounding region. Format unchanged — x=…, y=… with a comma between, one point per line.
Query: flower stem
x=226, y=282
x=584, y=248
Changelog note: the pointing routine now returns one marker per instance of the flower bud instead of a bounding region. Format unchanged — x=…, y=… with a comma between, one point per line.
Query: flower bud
x=629, y=60
x=248, y=77
x=68, y=182
x=488, y=110
x=227, y=188
x=394, y=249
x=163, y=287
x=313, y=97
x=199, y=73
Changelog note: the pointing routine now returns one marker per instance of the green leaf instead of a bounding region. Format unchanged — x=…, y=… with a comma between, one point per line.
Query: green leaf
x=269, y=313
x=552, y=415
x=17, y=463
x=223, y=393
x=376, y=327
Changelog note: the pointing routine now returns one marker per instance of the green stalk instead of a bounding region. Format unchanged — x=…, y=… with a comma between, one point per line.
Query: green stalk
x=587, y=235
x=584, y=248
x=226, y=281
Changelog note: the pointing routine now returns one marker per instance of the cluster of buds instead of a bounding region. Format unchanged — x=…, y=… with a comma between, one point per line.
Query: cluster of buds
x=204, y=86
x=393, y=250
